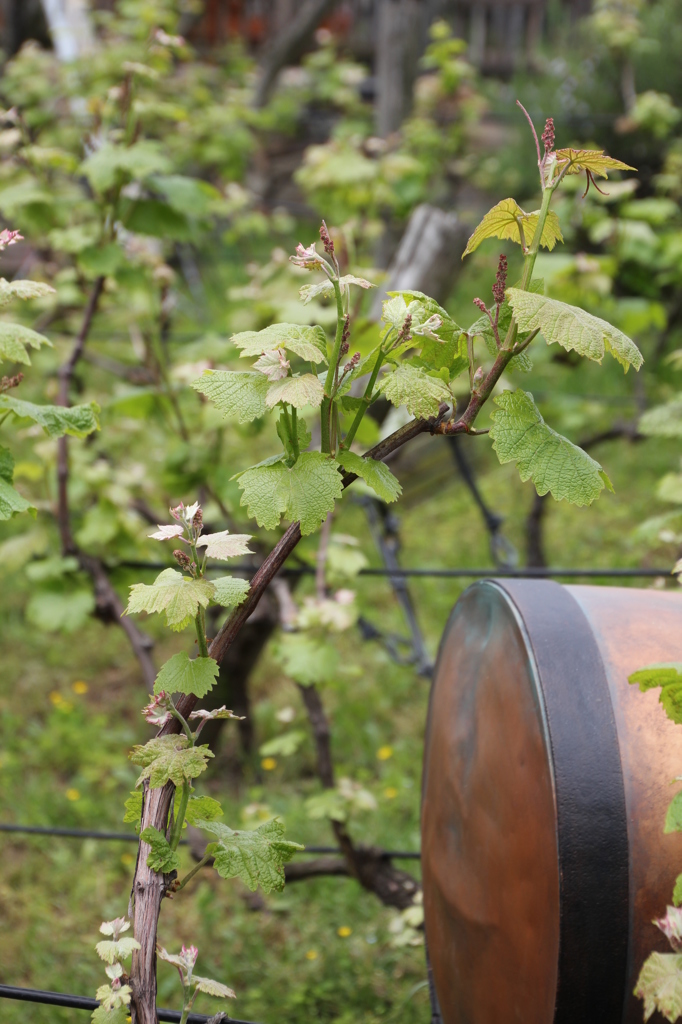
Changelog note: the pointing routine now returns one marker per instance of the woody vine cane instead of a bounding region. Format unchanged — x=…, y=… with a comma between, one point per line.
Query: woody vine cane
x=420, y=353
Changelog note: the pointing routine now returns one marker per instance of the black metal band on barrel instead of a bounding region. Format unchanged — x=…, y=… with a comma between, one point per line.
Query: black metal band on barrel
x=592, y=823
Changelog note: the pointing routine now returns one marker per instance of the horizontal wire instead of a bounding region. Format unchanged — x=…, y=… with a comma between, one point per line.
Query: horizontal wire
x=454, y=573
x=36, y=995
x=130, y=837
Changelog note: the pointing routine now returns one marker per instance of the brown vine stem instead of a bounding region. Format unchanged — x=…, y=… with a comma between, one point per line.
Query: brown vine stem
x=149, y=888
x=107, y=602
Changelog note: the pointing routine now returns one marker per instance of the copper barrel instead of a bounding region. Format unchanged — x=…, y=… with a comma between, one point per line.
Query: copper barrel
x=545, y=790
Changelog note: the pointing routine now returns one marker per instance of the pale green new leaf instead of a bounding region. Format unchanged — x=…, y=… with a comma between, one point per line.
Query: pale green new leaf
x=673, y=816
x=311, y=291
x=169, y=758
x=229, y=591
x=593, y=160
x=572, y=328
x=225, y=545
x=181, y=674
x=552, y=462
x=161, y=858
x=297, y=391
x=669, y=677
x=120, y=949
x=178, y=596
x=239, y=394
x=212, y=988
x=412, y=387
x=310, y=343
x=375, y=473
x=660, y=985
x=11, y=502
x=507, y=219
x=327, y=804
x=664, y=420
x=23, y=290
x=56, y=420
x=202, y=808
x=133, y=806
x=14, y=340
x=101, y=1015
x=54, y=611
x=306, y=659
x=305, y=491
x=284, y=745
x=257, y=857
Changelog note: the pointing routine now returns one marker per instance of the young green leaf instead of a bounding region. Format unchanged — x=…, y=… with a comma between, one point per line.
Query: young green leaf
x=11, y=502
x=225, y=545
x=171, y=592
x=669, y=677
x=552, y=462
x=673, y=816
x=15, y=339
x=306, y=659
x=593, y=160
x=660, y=985
x=412, y=387
x=169, y=758
x=212, y=988
x=23, y=290
x=102, y=1015
x=202, y=808
x=664, y=420
x=257, y=857
x=376, y=474
x=118, y=949
x=284, y=745
x=572, y=328
x=327, y=804
x=508, y=220
x=161, y=858
x=305, y=491
x=229, y=591
x=181, y=674
x=311, y=291
x=239, y=394
x=296, y=391
x=56, y=420
x=310, y=343
x=304, y=436
x=133, y=806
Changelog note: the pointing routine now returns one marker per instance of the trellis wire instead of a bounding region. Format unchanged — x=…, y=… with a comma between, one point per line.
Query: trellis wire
x=36, y=995
x=130, y=837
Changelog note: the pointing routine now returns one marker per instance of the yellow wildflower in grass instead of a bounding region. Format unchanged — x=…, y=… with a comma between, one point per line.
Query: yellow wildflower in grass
x=390, y=792
x=344, y=931
x=311, y=954
x=268, y=764
x=73, y=794
x=383, y=753
x=127, y=858
x=80, y=687
x=56, y=698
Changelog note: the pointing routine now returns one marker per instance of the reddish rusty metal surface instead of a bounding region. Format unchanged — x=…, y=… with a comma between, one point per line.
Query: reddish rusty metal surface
x=489, y=854
x=489, y=826
x=634, y=628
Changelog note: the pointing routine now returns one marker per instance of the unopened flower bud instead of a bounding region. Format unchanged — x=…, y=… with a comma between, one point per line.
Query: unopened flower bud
x=344, y=348
x=478, y=376
x=501, y=280
x=198, y=521
x=548, y=135
x=182, y=558
x=346, y=328
x=481, y=305
x=11, y=382
x=325, y=238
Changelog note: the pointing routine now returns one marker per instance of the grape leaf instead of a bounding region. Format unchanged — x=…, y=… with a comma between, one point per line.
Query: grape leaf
x=56, y=420
x=327, y=804
x=118, y=949
x=284, y=745
x=11, y=502
x=14, y=340
x=506, y=221
x=225, y=545
x=169, y=758
x=297, y=391
x=212, y=988
x=257, y=857
x=202, y=808
x=103, y=1016
x=310, y=343
x=161, y=858
x=23, y=290
x=181, y=674
x=664, y=420
x=304, y=436
x=673, y=816
x=375, y=473
x=171, y=592
x=229, y=591
x=311, y=291
x=307, y=660
x=305, y=491
x=593, y=160
x=133, y=806
x=572, y=328
x=660, y=985
x=669, y=677
x=235, y=393
x=60, y=611
x=412, y=387
x=552, y=462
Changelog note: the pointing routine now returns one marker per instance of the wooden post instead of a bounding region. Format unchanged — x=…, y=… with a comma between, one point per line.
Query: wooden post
x=400, y=40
